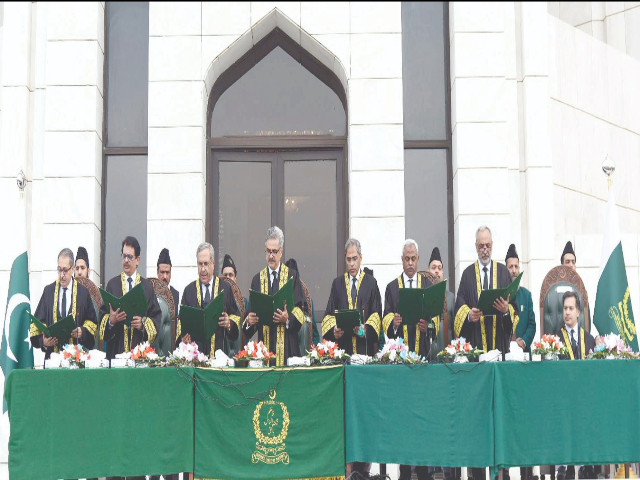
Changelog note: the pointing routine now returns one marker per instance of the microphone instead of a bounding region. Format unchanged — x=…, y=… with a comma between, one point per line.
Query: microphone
x=431, y=331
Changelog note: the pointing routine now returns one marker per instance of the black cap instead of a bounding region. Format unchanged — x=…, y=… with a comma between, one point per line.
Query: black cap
x=435, y=255
x=568, y=248
x=164, y=257
x=511, y=253
x=228, y=262
x=292, y=264
x=82, y=255
x=368, y=270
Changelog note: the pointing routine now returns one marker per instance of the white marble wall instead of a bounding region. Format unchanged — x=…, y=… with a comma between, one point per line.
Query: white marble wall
x=191, y=44
x=536, y=106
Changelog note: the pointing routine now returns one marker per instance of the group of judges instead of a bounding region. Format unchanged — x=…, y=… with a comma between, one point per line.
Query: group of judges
x=357, y=289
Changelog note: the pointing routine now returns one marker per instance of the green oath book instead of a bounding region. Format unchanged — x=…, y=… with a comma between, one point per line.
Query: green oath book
x=417, y=303
x=201, y=323
x=347, y=319
x=487, y=297
x=264, y=306
x=61, y=329
x=134, y=302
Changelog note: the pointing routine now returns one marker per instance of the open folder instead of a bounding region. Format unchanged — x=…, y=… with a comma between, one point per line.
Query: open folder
x=201, y=323
x=61, y=329
x=264, y=306
x=487, y=297
x=347, y=319
x=134, y=302
x=417, y=303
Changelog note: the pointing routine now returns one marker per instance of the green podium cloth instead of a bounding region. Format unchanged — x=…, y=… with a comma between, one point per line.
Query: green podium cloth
x=269, y=423
x=95, y=423
x=567, y=412
x=427, y=415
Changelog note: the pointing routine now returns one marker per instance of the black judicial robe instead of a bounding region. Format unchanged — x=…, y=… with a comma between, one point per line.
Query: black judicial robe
x=281, y=339
x=367, y=300
x=489, y=332
x=409, y=334
x=585, y=344
x=176, y=299
x=192, y=296
x=118, y=338
x=48, y=312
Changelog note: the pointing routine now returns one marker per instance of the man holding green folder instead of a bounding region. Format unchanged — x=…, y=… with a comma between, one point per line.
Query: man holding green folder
x=487, y=332
x=414, y=334
x=280, y=332
x=120, y=333
x=355, y=291
x=65, y=298
x=202, y=292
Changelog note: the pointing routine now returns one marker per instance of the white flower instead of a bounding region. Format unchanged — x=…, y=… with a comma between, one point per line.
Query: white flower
x=392, y=355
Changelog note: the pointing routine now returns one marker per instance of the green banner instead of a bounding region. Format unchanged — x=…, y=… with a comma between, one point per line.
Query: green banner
x=269, y=423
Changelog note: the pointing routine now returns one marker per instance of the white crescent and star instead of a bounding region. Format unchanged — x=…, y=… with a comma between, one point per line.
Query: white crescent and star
x=15, y=300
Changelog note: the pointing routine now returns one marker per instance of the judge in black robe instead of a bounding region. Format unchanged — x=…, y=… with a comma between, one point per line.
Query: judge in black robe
x=49, y=311
x=583, y=343
x=193, y=296
x=118, y=337
x=356, y=289
x=281, y=339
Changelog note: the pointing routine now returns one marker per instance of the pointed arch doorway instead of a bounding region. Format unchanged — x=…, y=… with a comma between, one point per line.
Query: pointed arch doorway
x=277, y=122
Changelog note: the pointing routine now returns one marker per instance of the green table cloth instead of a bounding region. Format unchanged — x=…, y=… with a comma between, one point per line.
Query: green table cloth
x=103, y=422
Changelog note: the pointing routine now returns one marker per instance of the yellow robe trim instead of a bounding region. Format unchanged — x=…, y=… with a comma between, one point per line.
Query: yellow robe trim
x=353, y=302
x=128, y=340
x=33, y=330
x=328, y=322
x=216, y=287
x=91, y=327
x=280, y=329
x=386, y=321
x=461, y=316
x=567, y=342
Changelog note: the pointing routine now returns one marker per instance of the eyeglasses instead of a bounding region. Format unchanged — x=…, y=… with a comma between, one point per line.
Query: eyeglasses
x=272, y=252
x=126, y=256
x=484, y=246
x=63, y=270
x=204, y=265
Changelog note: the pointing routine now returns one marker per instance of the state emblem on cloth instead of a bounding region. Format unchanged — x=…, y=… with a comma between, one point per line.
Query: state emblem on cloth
x=270, y=425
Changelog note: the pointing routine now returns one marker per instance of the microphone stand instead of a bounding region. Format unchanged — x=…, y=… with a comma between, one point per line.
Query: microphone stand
x=431, y=335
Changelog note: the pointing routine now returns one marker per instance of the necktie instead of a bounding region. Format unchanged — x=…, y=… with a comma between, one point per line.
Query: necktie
x=354, y=291
x=63, y=312
x=410, y=283
x=485, y=282
x=207, y=295
x=273, y=280
x=130, y=280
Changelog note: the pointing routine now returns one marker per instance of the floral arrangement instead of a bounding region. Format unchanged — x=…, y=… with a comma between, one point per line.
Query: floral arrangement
x=549, y=345
x=395, y=351
x=612, y=346
x=254, y=351
x=144, y=355
x=187, y=355
x=74, y=355
x=327, y=352
x=458, y=350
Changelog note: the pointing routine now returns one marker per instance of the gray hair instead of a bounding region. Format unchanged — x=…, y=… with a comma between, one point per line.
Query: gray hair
x=482, y=228
x=205, y=245
x=274, y=233
x=410, y=242
x=66, y=252
x=352, y=242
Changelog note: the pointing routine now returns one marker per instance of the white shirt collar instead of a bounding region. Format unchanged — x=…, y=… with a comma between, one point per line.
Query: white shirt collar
x=414, y=280
x=575, y=329
x=271, y=270
x=356, y=277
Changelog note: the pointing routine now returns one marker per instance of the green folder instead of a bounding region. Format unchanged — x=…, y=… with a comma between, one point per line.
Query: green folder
x=134, y=302
x=347, y=319
x=201, y=323
x=61, y=329
x=417, y=303
x=264, y=306
x=487, y=297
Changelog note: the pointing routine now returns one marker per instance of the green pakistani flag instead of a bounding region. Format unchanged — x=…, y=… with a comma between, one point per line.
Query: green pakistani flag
x=613, y=312
x=15, y=350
